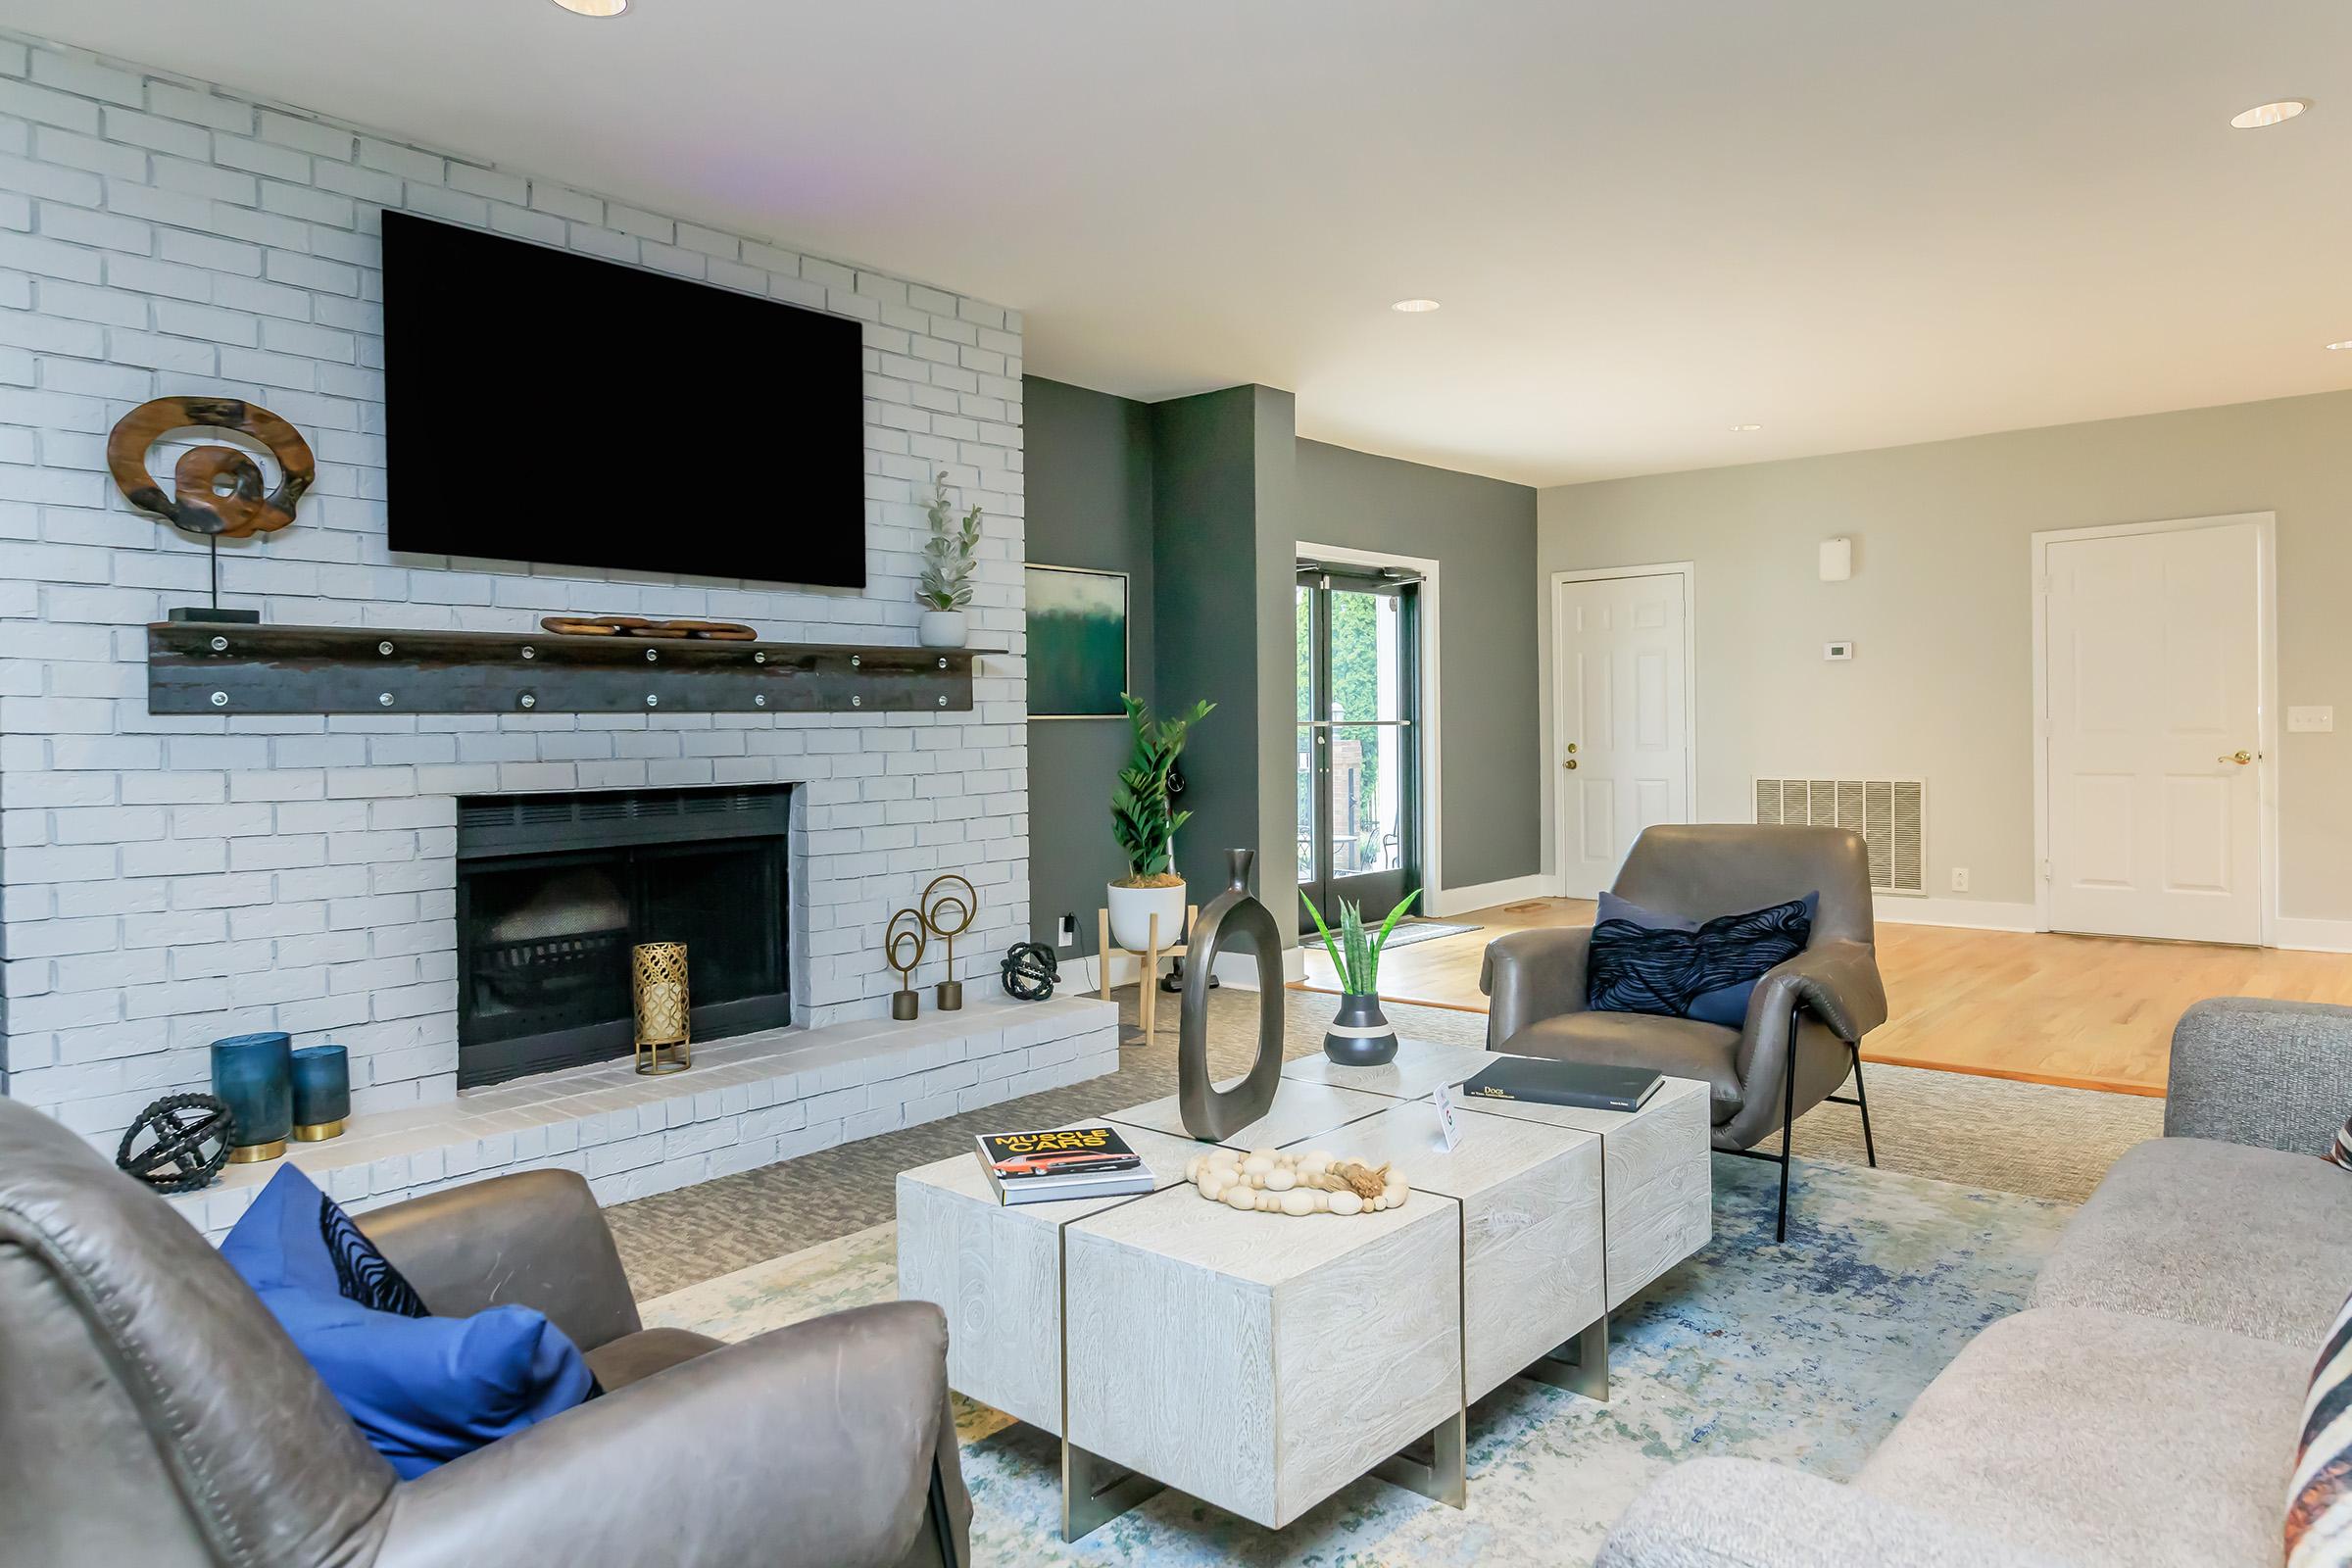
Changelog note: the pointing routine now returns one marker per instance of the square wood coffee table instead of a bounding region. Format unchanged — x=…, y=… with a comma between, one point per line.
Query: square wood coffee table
x=1260, y=1362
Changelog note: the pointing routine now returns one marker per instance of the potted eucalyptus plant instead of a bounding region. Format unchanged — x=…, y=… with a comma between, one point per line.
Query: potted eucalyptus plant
x=1360, y=1035
x=1144, y=823
x=948, y=555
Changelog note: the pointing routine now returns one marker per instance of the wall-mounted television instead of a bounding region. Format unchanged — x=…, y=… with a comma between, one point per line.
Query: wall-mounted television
x=541, y=406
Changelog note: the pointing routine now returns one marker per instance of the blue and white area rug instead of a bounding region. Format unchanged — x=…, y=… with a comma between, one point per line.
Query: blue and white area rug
x=1804, y=1354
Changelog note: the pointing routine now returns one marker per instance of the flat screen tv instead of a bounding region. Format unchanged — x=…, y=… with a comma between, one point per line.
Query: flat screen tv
x=545, y=407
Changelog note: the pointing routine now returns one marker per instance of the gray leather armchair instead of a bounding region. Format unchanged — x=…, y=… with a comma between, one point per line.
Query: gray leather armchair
x=1810, y=1013
x=155, y=1414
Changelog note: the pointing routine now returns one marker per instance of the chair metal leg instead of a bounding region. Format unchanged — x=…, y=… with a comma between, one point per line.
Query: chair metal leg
x=1862, y=1102
x=1787, y=1127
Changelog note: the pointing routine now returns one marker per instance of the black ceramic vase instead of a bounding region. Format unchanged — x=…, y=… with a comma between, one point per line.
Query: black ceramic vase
x=1360, y=1036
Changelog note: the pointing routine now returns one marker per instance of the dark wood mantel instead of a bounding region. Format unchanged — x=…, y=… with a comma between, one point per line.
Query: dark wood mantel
x=193, y=668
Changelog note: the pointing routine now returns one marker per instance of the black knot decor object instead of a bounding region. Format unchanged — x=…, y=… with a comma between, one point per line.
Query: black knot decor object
x=188, y=1139
x=1030, y=971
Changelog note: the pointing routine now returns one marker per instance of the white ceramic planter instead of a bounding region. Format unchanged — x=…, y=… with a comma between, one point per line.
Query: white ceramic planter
x=1131, y=912
x=942, y=629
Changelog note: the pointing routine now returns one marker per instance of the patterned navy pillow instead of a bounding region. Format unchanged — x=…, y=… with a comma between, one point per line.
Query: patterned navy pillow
x=2341, y=1154
x=361, y=1273
x=2319, y=1495
x=1641, y=961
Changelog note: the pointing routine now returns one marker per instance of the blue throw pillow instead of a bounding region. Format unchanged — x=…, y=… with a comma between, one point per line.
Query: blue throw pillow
x=1644, y=961
x=422, y=1388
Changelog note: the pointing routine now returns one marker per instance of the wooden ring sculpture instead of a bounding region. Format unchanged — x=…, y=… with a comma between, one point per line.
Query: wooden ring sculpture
x=904, y=1003
x=938, y=908
x=217, y=491
x=1210, y=1116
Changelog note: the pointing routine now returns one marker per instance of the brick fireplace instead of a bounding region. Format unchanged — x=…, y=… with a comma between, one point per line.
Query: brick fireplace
x=170, y=880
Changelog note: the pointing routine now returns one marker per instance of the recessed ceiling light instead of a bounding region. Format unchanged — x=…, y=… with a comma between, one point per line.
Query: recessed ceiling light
x=1747, y=427
x=2345, y=344
x=2278, y=114
x=1414, y=307
x=595, y=8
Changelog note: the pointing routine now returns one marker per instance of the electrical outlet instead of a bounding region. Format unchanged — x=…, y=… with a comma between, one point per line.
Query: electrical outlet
x=1066, y=934
x=1959, y=879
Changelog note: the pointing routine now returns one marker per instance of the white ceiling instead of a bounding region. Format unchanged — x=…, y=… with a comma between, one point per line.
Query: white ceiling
x=1856, y=222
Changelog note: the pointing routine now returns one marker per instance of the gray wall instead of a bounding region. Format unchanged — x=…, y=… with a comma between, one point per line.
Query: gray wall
x=1089, y=505
x=1940, y=611
x=1202, y=501
x=1222, y=476
x=1482, y=533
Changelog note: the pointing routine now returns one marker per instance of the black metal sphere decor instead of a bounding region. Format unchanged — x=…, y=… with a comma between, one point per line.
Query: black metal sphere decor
x=188, y=1139
x=1030, y=971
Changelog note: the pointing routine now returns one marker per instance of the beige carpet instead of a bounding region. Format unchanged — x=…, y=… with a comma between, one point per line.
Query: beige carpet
x=1977, y=1132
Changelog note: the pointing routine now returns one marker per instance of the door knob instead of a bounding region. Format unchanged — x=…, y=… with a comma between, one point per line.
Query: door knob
x=2241, y=758
x=1570, y=765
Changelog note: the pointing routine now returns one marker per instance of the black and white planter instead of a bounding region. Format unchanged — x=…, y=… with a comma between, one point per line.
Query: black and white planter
x=1360, y=1036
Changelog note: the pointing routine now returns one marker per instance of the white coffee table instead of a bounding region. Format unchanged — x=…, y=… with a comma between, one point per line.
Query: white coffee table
x=1260, y=1362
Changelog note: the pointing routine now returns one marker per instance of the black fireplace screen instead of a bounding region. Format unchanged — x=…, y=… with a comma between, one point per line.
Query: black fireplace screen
x=554, y=891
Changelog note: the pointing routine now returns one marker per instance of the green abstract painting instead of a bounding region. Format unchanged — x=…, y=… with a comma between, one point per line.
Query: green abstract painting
x=1077, y=643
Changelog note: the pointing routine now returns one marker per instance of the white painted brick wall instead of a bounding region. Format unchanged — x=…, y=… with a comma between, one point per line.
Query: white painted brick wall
x=172, y=880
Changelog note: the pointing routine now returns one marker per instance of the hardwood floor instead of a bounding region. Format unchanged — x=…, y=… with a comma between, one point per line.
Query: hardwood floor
x=2087, y=1012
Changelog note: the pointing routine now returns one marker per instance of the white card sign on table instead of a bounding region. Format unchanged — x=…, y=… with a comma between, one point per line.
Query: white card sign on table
x=1446, y=1125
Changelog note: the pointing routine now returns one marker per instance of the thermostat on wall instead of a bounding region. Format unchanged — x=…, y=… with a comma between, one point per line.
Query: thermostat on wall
x=1836, y=649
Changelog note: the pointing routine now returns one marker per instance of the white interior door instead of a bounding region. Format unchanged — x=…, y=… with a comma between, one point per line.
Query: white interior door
x=1622, y=730
x=2155, y=748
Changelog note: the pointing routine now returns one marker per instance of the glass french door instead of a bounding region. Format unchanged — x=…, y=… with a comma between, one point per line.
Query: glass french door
x=1359, y=757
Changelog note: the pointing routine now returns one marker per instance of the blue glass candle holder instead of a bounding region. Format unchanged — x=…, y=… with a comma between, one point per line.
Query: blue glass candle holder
x=321, y=1093
x=255, y=1075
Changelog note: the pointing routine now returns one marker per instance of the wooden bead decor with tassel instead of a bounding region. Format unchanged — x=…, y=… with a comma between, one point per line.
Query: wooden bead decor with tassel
x=1274, y=1181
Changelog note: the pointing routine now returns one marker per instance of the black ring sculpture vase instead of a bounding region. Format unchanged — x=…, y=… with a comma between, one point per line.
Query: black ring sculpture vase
x=1210, y=1115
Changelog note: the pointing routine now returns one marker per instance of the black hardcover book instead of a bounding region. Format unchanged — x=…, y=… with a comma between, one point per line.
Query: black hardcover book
x=1589, y=1086
x=1060, y=1162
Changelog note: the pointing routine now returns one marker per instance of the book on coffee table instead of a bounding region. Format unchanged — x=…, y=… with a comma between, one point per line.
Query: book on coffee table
x=1061, y=1163
x=1585, y=1085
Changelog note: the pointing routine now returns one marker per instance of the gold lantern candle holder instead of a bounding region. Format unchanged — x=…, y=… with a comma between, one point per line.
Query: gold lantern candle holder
x=947, y=913
x=665, y=1007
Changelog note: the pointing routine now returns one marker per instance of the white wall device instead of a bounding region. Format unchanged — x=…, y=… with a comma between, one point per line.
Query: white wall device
x=2311, y=720
x=1837, y=650
x=1837, y=560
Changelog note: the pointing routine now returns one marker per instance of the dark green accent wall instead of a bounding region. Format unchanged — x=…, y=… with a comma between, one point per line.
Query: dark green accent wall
x=1089, y=480
x=1482, y=533
x=1222, y=479
x=1202, y=501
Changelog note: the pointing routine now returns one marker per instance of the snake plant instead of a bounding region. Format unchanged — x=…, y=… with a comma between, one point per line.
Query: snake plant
x=1355, y=951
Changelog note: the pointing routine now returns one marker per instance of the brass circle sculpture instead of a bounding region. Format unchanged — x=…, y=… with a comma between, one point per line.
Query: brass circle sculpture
x=949, y=914
x=215, y=490
x=906, y=1002
x=1210, y=1116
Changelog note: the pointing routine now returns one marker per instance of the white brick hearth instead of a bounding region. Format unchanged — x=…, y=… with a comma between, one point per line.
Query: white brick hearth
x=746, y=1102
x=169, y=881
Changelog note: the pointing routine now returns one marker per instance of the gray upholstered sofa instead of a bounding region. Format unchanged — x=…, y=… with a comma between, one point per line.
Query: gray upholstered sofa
x=2144, y=1410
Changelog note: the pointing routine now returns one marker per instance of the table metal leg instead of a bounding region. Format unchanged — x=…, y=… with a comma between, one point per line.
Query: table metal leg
x=1581, y=1364
x=1436, y=1466
x=1095, y=1492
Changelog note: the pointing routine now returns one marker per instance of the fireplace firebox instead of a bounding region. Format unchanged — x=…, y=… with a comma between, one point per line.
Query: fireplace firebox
x=554, y=891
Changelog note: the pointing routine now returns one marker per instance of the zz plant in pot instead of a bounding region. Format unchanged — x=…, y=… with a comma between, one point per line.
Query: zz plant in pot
x=946, y=584
x=1360, y=1035
x=1145, y=821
